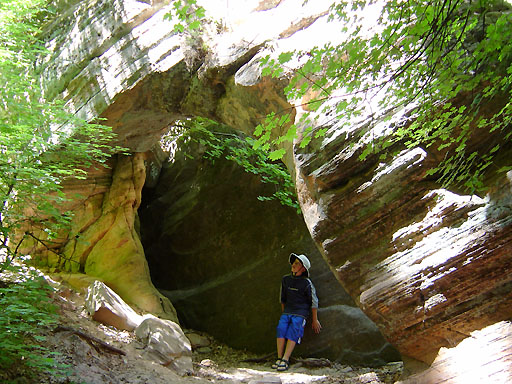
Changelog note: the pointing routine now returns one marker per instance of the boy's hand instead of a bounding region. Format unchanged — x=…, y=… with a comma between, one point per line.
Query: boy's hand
x=316, y=326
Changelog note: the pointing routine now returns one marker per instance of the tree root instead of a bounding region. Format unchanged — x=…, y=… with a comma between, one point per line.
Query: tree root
x=89, y=339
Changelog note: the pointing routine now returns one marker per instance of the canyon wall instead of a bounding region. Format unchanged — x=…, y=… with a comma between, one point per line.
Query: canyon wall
x=429, y=266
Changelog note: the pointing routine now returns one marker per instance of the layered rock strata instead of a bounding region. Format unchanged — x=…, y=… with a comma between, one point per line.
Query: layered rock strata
x=427, y=265
x=121, y=61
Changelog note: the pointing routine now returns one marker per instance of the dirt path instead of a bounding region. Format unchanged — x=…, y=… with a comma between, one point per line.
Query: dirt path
x=92, y=363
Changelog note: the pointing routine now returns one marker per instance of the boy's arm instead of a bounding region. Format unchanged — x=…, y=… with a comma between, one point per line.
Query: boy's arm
x=315, y=324
x=282, y=294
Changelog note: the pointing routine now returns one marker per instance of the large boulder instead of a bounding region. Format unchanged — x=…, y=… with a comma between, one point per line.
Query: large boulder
x=219, y=254
x=106, y=307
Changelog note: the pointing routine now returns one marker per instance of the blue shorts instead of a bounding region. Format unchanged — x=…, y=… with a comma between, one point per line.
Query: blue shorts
x=291, y=327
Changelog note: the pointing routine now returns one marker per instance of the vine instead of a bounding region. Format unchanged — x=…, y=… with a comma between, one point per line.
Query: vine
x=240, y=149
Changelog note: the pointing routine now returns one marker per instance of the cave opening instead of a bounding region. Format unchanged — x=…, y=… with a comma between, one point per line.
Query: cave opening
x=218, y=253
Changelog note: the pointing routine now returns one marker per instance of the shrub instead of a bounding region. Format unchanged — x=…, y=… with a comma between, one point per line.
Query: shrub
x=26, y=313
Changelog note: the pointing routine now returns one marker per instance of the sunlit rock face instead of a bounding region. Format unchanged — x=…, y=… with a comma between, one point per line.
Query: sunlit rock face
x=121, y=61
x=483, y=357
x=429, y=266
x=219, y=254
x=103, y=241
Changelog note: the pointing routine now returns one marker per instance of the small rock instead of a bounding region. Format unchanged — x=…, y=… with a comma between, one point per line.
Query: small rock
x=166, y=344
x=346, y=369
x=369, y=378
x=197, y=340
x=204, y=350
x=207, y=363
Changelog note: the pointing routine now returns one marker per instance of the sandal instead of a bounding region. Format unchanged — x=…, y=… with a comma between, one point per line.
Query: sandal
x=276, y=364
x=283, y=365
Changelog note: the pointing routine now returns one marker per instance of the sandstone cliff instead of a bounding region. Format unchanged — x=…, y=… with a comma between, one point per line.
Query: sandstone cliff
x=429, y=266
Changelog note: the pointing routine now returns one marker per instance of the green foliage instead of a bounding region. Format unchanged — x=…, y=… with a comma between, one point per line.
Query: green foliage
x=243, y=151
x=450, y=60
x=264, y=130
x=41, y=145
x=27, y=313
x=189, y=15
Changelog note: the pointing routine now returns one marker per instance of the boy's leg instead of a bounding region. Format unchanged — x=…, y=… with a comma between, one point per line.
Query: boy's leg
x=290, y=345
x=293, y=335
x=280, y=347
x=282, y=329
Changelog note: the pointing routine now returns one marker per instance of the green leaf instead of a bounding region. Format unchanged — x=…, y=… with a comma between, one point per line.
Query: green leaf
x=277, y=154
x=266, y=71
x=200, y=12
x=194, y=25
x=258, y=130
x=179, y=28
x=494, y=149
x=367, y=151
x=291, y=134
x=285, y=57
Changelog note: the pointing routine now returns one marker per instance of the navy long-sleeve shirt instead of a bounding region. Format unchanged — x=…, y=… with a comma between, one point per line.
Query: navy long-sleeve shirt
x=298, y=295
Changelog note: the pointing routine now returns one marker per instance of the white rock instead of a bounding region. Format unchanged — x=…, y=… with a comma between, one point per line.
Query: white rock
x=166, y=344
x=108, y=308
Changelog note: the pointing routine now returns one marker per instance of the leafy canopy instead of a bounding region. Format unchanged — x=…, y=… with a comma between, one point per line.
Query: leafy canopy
x=188, y=15
x=218, y=142
x=41, y=145
x=446, y=61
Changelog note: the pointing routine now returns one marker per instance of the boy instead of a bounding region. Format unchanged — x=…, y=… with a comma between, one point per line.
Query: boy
x=298, y=298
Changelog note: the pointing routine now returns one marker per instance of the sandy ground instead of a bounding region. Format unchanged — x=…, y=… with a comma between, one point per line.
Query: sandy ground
x=91, y=363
